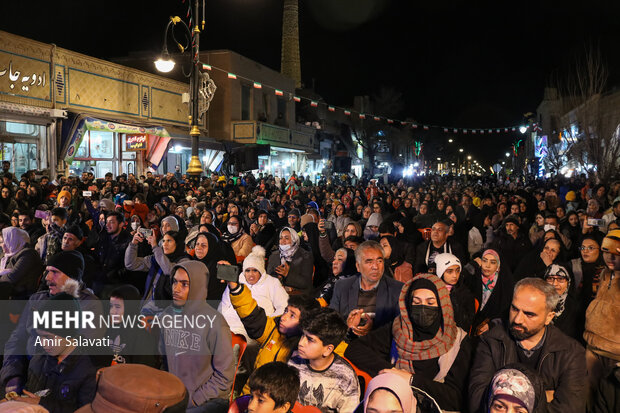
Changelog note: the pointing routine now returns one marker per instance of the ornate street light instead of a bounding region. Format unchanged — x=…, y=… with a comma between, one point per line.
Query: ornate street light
x=201, y=86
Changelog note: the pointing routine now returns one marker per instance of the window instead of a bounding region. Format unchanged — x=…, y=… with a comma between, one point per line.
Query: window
x=22, y=144
x=246, y=94
x=96, y=153
x=101, y=144
x=22, y=128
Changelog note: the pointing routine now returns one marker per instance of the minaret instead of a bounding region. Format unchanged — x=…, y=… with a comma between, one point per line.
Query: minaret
x=290, y=65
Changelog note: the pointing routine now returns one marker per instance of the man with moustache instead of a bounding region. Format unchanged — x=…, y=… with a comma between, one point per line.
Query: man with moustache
x=531, y=339
x=63, y=275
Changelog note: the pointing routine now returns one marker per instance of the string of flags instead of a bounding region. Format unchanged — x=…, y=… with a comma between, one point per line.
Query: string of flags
x=364, y=116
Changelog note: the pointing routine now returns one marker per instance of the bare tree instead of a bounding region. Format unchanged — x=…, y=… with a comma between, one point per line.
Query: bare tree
x=591, y=117
x=371, y=134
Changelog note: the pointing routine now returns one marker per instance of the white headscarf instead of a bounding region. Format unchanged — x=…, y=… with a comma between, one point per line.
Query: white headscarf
x=289, y=250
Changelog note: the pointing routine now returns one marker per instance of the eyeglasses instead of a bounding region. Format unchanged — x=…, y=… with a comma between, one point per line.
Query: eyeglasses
x=553, y=280
x=590, y=248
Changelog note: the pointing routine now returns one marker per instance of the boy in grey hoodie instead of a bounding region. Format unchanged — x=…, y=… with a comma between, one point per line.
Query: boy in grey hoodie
x=196, y=340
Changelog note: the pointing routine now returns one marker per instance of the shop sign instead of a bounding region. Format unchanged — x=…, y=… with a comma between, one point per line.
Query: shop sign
x=136, y=142
x=22, y=76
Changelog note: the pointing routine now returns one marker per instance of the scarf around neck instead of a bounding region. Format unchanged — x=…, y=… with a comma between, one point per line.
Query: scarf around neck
x=402, y=329
x=288, y=253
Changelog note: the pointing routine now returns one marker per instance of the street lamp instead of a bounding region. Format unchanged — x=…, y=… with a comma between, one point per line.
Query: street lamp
x=461, y=150
x=450, y=140
x=201, y=87
x=522, y=129
x=469, y=157
x=507, y=155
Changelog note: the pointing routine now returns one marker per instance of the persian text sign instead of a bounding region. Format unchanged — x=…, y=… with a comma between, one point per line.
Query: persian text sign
x=23, y=76
x=136, y=142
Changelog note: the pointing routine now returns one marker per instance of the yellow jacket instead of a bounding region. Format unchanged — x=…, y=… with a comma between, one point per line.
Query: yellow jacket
x=274, y=346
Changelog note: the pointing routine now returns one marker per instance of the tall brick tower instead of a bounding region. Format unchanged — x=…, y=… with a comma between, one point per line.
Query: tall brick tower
x=290, y=65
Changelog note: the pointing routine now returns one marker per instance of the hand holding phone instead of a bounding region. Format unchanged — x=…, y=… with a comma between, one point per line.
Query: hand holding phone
x=228, y=273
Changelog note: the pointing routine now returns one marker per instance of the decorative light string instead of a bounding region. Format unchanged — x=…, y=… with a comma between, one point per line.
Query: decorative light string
x=362, y=115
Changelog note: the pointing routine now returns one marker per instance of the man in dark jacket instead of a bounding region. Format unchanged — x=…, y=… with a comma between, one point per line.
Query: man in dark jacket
x=62, y=370
x=114, y=240
x=438, y=244
x=64, y=274
x=370, y=299
x=512, y=242
x=529, y=339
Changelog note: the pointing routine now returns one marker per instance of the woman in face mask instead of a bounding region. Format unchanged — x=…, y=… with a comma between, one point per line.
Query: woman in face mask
x=423, y=344
x=236, y=237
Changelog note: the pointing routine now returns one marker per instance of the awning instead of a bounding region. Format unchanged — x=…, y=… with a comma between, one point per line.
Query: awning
x=74, y=130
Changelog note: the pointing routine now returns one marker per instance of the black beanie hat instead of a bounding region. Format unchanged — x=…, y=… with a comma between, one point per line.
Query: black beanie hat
x=75, y=230
x=69, y=262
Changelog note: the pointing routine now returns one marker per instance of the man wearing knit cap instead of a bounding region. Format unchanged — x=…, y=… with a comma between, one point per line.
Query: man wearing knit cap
x=64, y=275
x=293, y=219
x=512, y=242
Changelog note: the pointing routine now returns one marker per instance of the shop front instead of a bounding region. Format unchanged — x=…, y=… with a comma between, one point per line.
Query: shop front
x=24, y=140
x=210, y=152
x=292, y=151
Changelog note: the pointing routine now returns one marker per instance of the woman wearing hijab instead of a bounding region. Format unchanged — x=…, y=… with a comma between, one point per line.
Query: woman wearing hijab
x=394, y=256
x=569, y=314
x=352, y=228
x=371, y=231
x=492, y=285
x=20, y=266
x=235, y=236
x=389, y=392
x=448, y=268
x=7, y=203
x=517, y=389
x=587, y=269
x=339, y=218
x=536, y=263
x=280, y=219
x=423, y=344
x=572, y=229
x=158, y=285
x=343, y=265
x=209, y=250
x=290, y=263
x=263, y=231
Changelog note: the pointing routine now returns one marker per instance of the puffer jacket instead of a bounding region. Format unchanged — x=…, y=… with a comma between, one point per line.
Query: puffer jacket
x=602, y=331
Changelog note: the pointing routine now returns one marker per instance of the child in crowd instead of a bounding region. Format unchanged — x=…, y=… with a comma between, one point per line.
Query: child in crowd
x=129, y=343
x=274, y=388
x=327, y=380
x=277, y=336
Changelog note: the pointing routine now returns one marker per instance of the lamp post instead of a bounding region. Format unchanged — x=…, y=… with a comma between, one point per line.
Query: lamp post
x=199, y=97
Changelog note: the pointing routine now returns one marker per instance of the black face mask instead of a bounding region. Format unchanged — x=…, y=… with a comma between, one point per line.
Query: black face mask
x=424, y=316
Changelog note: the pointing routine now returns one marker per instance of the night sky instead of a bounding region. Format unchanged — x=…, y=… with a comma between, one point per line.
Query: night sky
x=475, y=64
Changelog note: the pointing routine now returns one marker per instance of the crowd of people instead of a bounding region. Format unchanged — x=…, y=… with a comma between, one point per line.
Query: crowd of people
x=432, y=294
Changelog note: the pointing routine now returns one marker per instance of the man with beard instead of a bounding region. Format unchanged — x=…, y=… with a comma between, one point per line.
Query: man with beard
x=63, y=275
x=531, y=339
